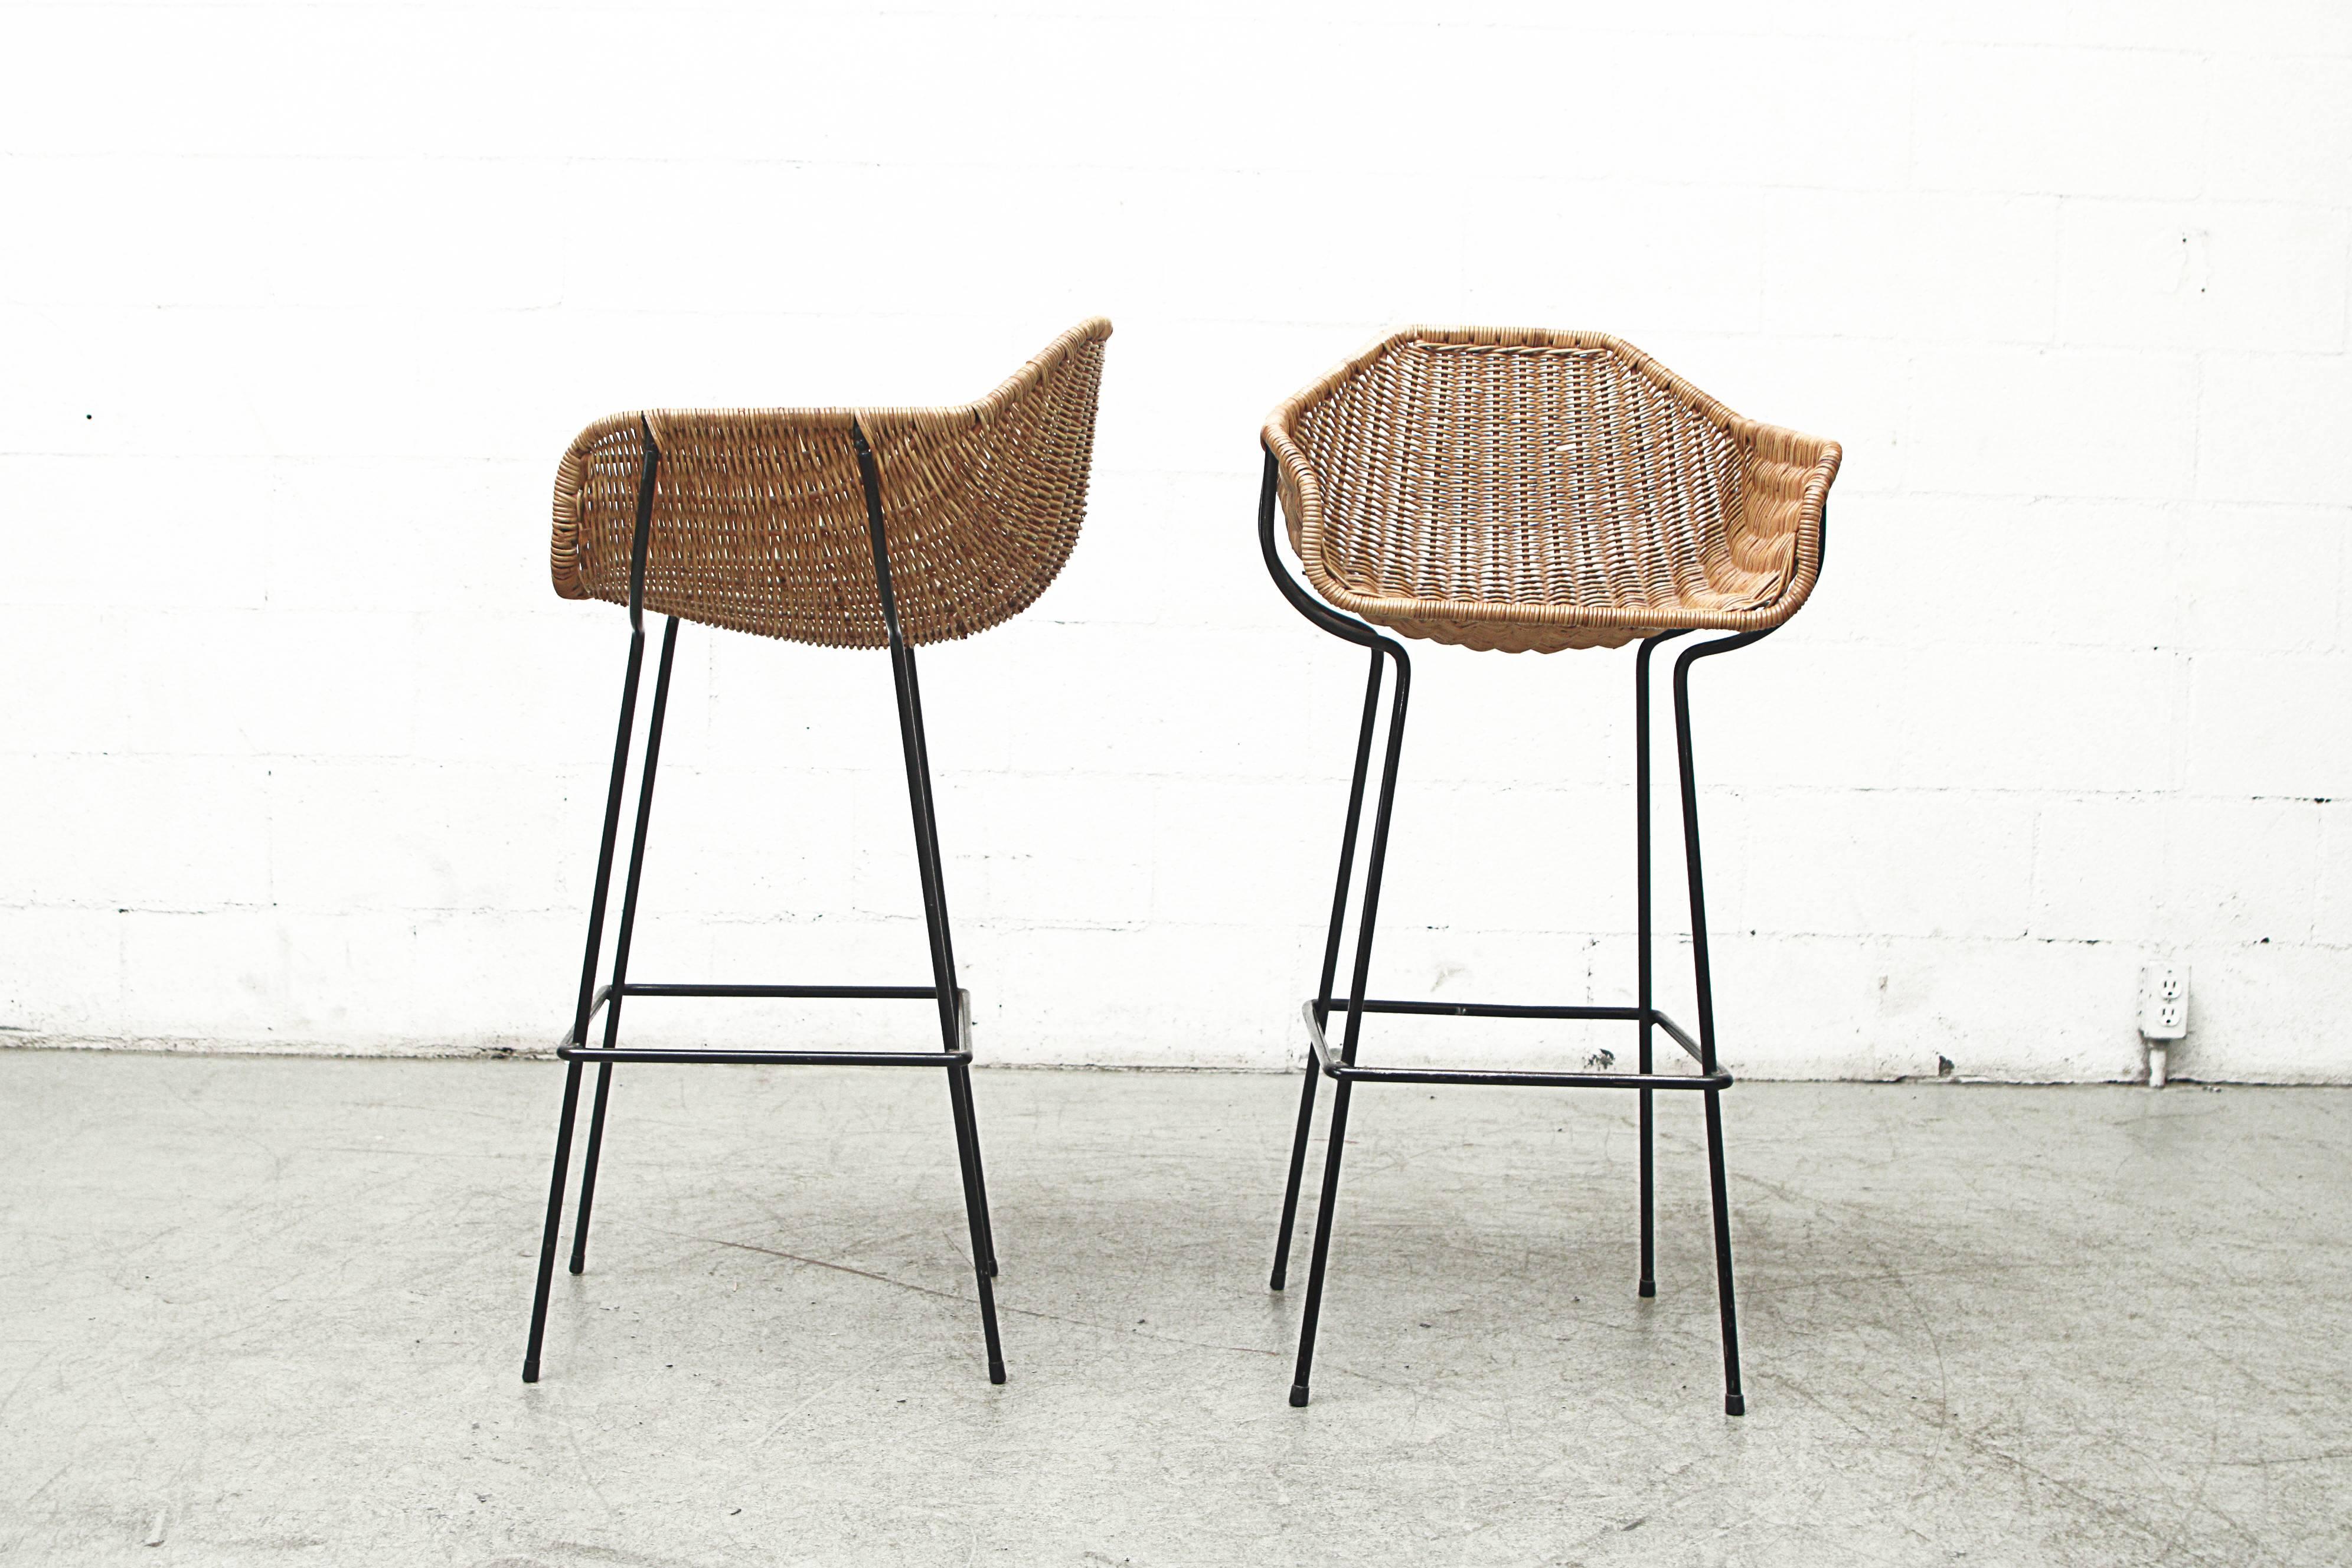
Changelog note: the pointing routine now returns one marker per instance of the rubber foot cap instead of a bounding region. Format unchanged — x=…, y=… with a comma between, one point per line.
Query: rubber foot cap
x=530, y=1371
x=1275, y=1283
x=996, y=1374
x=1648, y=1288
x=1298, y=1396
x=1733, y=1404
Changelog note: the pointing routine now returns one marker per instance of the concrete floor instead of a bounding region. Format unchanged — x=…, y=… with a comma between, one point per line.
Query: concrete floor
x=273, y=1310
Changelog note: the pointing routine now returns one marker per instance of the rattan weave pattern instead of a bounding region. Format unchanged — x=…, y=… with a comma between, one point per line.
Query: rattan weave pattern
x=760, y=525
x=1530, y=490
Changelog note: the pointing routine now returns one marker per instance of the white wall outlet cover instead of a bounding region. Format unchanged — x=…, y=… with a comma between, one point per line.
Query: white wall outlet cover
x=2164, y=1001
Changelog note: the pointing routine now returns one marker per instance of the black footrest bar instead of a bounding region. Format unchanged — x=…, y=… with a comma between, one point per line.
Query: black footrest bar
x=1331, y=1067
x=1492, y=1010
x=866, y=993
x=571, y=1051
x=769, y=1058
x=1513, y=1010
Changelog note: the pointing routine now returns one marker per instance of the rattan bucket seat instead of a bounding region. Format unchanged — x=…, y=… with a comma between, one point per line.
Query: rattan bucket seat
x=1531, y=491
x=848, y=528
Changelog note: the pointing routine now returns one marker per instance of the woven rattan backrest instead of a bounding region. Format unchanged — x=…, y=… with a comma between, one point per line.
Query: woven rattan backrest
x=760, y=524
x=1541, y=491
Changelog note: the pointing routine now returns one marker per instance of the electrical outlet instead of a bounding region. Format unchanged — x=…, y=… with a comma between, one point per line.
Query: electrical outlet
x=2164, y=1001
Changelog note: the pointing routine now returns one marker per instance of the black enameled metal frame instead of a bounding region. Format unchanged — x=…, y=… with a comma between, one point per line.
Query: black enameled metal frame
x=1710, y=1080
x=954, y=1005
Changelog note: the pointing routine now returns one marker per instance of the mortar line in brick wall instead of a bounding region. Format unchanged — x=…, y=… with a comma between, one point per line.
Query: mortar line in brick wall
x=355, y=762
x=1590, y=936
x=1649, y=178
x=1456, y=782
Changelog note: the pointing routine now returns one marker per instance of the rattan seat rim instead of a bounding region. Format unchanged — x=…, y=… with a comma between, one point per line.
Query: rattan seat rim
x=933, y=418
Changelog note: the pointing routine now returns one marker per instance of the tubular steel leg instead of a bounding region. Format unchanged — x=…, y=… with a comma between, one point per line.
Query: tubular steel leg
x=1281, y=1275
x=926, y=851
x=554, y=1220
x=588, y=1167
x=1734, y=1400
x=587, y=993
x=968, y=1132
x=975, y=1215
x=930, y=846
x=980, y=1188
x=927, y=865
x=1330, y=969
x=918, y=797
x=1322, y=1251
x=1374, y=867
x=621, y=943
x=1648, y=1284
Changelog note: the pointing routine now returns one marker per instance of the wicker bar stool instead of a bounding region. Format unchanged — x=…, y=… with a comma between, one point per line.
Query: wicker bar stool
x=1531, y=491
x=846, y=528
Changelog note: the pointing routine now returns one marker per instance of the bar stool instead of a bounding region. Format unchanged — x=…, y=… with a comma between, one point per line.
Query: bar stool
x=846, y=528
x=1531, y=491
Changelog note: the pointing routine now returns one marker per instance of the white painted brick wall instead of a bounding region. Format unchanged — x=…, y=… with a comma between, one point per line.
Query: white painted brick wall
x=302, y=301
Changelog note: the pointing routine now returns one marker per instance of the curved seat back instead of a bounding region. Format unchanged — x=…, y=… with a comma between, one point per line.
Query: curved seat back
x=758, y=518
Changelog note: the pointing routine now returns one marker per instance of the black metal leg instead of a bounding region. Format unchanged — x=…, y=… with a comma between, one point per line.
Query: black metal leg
x=1646, y=998
x=927, y=851
x=920, y=780
x=1281, y=1276
x=934, y=922
x=967, y=1136
x=1330, y=970
x=980, y=1189
x=969, y=1131
x=975, y=1214
x=621, y=942
x=926, y=848
x=587, y=1000
x=1648, y=1283
x=1374, y=866
x=588, y=1166
x=554, y=1220
x=927, y=863
x=1734, y=1401
x=1321, y=1254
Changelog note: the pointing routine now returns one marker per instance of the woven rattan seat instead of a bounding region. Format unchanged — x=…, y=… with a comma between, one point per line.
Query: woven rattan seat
x=760, y=521
x=1529, y=491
